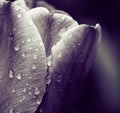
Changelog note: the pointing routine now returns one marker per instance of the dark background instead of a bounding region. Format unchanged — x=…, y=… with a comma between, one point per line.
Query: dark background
x=101, y=91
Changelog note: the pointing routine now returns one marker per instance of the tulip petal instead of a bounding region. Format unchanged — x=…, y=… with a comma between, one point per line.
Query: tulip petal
x=5, y=39
x=70, y=59
x=53, y=24
x=27, y=64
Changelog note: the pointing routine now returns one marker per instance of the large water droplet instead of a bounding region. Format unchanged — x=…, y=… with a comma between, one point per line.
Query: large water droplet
x=36, y=92
x=49, y=62
x=48, y=79
x=19, y=15
x=29, y=93
x=23, y=54
x=24, y=90
x=38, y=102
x=19, y=76
x=23, y=97
x=17, y=47
x=11, y=75
x=13, y=91
x=28, y=39
x=11, y=110
x=36, y=49
x=34, y=56
x=33, y=66
x=59, y=78
x=59, y=54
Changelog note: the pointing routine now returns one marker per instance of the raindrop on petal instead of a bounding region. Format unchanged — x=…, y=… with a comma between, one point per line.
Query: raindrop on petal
x=13, y=91
x=24, y=90
x=36, y=49
x=19, y=15
x=28, y=39
x=36, y=92
x=59, y=54
x=38, y=102
x=11, y=110
x=17, y=47
x=19, y=76
x=49, y=62
x=33, y=66
x=34, y=56
x=48, y=80
x=23, y=54
x=11, y=75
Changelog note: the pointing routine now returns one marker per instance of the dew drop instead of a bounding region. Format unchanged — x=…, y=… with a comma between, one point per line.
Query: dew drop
x=23, y=97
x=30, y=48
x=17, y=47
x=49, y=62
x=23, y=54
x=38, y=102
x=33, y=66
x=21, y=101
x=36, y=92
x=29, y=93
x=48, y=80
x=11, y=75
x=11, y=110
x=13, y=91
x=59, y=78
x=59, y=54
x=27, y=84
x=19, y=15
x=36, y=49
x=34, y=56
x=28, y=39
x=19, y=76
x=24, y=90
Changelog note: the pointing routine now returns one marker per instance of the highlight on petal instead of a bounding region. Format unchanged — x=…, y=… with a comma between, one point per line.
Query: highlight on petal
x=70, y=59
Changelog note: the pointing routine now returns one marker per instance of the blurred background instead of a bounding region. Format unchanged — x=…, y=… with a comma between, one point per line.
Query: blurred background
x=101, y=93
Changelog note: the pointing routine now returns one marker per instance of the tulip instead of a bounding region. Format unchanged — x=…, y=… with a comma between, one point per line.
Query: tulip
x=44, y=59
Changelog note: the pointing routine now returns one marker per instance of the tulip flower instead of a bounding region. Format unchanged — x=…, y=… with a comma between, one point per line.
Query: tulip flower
x=44, y=59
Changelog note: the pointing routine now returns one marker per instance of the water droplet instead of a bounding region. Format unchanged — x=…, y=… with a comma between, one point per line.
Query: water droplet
x=33, y=66
x=19, y=15
x=59, y=54
x=21, y=101
x=14, y=29
x=79, y=43
x=49, y=62
x=36, y=49
x=11, y=75
x=17, y=47
x=59, y=78
x=13, y=91
x=28, y=39
x=30, y=48
x=38, y=102
x=41, y=43
x=29, y=93
x=19, y=76
x=48, y=80
x=36, y=92
x=23, y=97
x=24, y=90
x=34, y=56
x=27, y=84
x=11, y=110
x=23, y=54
